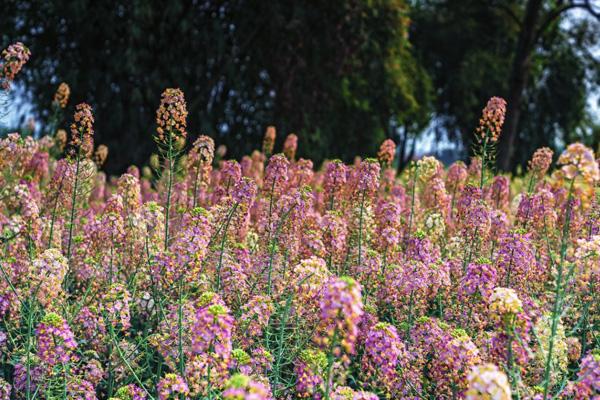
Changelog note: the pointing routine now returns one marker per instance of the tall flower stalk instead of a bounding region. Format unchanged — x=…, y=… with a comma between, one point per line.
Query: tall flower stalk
x=488, y=133
x=367, y=184
x=82, y=131
x=341, y=310
x=171, y=124
x=577, y=161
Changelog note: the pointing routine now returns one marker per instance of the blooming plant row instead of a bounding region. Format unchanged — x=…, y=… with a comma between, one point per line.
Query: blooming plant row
x=198, y=277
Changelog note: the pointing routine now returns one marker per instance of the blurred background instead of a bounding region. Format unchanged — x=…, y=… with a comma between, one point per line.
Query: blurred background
x=342, y=75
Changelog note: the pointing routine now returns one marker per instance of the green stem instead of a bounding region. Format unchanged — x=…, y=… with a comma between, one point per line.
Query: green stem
x=54, y=211
x=281, y=337
x=270, y=211
x=330, y=358
x=169, y=188
x=223, y=240
x=585, y=316
x=509, y=269
x=360, y=227
x=510, y=353
x=273, y=243
x=556, y=310
x=74, y=197
x=412, y=200
x=410, y=316
x=196, y=184
x=483, y=163
x=127, y=364
x=28, y=350
x=180, y=331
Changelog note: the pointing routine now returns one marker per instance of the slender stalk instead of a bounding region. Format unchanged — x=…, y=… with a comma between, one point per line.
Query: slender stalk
x=273, y=243
x=74, y=197
x=510, y=265
x=360, y=227
x=54, y=211
x=585, y=316
x=53, y=123
x=28, y=350
x=412, y=201
x=558, y=291
x=483, y=163
x=330, y=358
x=281, y=337
x=169, y=188
x=196, y=184
x=410, y=315
x=125, y=361
x=452, y=202
x=65, y=380
x=180, y=330
x=222, y=250
x=510, y=329
x=270, y=210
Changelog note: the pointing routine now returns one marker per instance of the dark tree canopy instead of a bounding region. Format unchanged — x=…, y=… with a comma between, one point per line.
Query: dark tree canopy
x=342, y=76
x=470, y=48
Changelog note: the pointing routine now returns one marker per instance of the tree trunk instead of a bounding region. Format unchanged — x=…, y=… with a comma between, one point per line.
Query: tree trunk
x=518, y=82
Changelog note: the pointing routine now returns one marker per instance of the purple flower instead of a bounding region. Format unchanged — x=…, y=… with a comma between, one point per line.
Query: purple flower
x=171, y=386
x=341, y=310
x=55, y=340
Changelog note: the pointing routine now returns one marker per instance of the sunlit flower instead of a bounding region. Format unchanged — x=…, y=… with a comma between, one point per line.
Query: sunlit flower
x=492, y=119
x=56, y=342
x=269, y=140
x=290, y=146
x=100, y=155
x=578, y=159
x=505, y=301
x=171, y=117
x=487, y=382
x=13, y=58
x=61, y=97
x=540, y=162
x=310, y=371
x=341, y=309
x=387, y=152
x=241, y=387
x=82, y=129
x=171, y=386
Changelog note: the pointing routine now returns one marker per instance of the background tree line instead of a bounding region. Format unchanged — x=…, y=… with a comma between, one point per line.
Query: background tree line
x=342, y=75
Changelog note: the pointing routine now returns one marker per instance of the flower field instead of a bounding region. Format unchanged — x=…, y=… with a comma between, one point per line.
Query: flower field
x=198, y=277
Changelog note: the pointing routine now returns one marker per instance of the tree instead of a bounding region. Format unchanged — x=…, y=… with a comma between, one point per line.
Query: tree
x=469, y=47
x=539, y=19
x=341, y=75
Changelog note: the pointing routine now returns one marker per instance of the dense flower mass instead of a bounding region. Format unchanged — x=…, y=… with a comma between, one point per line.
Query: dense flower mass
x=241, y=387
x=578, y=159
x=171, y=387
x=492, y=119
x=341, y=309
x=55, y=340
x=13, y=59
x=171, y=116
x=61, y=97
x=387, y=153
x=505, y=301
x=488, y=382
x=82, y=129
x=198, y=277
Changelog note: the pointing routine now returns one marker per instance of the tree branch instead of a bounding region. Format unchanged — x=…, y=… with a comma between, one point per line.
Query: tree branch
x=510, y=13
x=559, y=10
